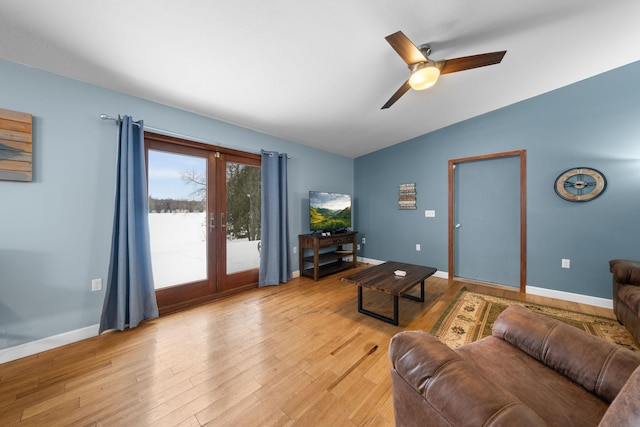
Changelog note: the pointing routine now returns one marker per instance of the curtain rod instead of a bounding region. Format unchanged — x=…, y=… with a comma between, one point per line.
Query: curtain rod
x=272, y=153
x=118, y=120
x=180, y=135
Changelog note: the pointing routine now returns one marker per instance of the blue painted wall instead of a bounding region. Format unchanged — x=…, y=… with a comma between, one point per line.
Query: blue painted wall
x=594, y=123
x=55, y=231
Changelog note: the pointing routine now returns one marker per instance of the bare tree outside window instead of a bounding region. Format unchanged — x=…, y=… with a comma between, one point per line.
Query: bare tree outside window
x=197, y=181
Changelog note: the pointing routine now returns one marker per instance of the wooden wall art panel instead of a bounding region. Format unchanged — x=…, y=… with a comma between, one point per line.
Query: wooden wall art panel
x=407, y=196
x=15, y=146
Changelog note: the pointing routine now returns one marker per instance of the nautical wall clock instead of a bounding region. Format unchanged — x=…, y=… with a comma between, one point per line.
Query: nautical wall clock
x=580, y=184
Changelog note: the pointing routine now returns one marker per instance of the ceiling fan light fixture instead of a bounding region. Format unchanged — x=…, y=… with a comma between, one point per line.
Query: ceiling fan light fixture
x=423, y=75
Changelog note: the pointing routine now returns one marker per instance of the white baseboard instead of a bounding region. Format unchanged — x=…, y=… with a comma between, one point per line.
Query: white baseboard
x=369, y=260
x=44, y=344
x=568, y=296
x=441, y=274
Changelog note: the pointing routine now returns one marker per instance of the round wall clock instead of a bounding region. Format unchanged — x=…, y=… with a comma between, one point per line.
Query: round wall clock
x=580, y=184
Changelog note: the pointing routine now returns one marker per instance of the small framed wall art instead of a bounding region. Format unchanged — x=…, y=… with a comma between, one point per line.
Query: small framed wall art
x=407, y=196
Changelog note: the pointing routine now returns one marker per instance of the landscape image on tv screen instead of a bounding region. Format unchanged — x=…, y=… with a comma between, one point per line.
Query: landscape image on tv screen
x=329, y=211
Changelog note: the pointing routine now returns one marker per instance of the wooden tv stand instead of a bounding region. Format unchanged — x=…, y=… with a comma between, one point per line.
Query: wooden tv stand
x=331, y=261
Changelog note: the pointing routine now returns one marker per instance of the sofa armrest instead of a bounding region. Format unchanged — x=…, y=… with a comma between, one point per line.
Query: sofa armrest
x=625, y=272
x=599, y=366
x=433, y=385
x=625, y=408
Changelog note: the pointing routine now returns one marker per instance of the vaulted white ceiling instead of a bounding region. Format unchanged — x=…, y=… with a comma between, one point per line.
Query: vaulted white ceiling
x=317, y=72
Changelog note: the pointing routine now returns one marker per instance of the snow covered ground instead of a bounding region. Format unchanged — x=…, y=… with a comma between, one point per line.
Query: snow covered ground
x=179, y=250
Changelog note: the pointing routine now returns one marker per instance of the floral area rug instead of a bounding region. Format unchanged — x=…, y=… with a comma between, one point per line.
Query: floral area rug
x=470, y=317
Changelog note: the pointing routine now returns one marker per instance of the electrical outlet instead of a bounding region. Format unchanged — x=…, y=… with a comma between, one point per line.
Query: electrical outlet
x=96, y=285
x=358, y=246
x=566, y=263
x=295, y=249
x=417, y=246
x=429, y=214
x=364, y=241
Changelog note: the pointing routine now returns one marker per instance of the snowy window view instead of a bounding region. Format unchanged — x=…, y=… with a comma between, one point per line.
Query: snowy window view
x=177, y=218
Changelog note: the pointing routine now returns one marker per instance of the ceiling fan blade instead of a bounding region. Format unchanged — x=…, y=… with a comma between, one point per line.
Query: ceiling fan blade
x=473, y=61
x=403, y=89
x=407, y=50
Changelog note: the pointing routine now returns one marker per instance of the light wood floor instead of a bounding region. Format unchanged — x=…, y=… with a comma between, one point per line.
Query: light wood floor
x=295, y=354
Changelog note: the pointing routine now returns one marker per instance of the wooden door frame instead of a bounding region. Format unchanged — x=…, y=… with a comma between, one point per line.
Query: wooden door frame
x=522, y=154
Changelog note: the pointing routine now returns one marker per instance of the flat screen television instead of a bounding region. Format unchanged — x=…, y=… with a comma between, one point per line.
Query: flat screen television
x=329, y=211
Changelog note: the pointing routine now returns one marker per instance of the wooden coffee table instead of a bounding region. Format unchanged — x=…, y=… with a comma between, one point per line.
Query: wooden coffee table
x=382, y=278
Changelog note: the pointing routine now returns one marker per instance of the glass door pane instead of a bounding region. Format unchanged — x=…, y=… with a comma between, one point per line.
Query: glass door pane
x=177, y=188
x=242, y=217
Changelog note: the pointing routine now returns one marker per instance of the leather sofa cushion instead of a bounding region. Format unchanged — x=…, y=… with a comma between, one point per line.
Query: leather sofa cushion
x=625, y=271
x=599, y=366
x=553, y=397
x=435, y=386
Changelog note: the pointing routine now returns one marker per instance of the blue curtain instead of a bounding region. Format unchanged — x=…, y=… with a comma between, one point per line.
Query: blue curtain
x=130, y=294
x=275, y=264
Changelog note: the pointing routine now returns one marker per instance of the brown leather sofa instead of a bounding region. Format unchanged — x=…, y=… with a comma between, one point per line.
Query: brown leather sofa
x=626, y=294
x=532, y=371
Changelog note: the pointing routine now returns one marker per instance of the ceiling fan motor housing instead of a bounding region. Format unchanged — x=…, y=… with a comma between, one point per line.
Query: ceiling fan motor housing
x=425, y=49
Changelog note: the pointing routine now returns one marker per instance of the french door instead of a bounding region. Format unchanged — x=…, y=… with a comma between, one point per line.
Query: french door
x=204, y=220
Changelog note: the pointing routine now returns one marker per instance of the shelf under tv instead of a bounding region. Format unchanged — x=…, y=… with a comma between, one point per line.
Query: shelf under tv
x=329, y=261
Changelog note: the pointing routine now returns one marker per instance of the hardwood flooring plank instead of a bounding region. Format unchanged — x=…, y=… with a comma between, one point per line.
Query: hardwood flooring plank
x=10, y=389
x=185, y=405
x=385, y=412
x=324, y=412
x=307, y=397
x=352, y=367
x=252, y=412
x=229, y=394
x=49, y=409
x=191, y=421
x=369, y=406
x=280, y=388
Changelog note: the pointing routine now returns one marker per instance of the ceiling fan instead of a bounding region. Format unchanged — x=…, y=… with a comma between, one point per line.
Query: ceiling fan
x=424, y=71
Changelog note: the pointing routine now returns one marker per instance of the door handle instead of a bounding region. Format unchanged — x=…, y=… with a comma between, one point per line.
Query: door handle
x=212, y=221
x=223, y=224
